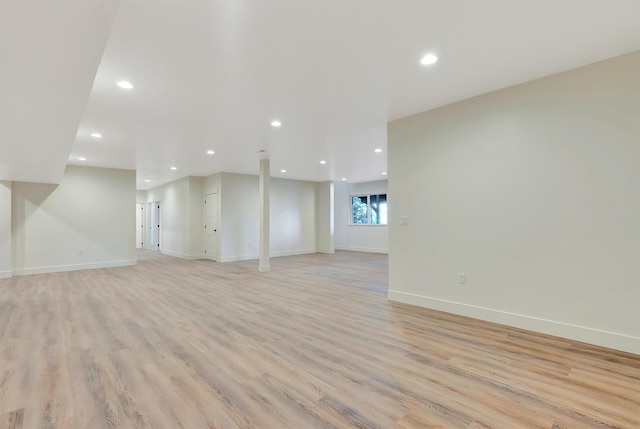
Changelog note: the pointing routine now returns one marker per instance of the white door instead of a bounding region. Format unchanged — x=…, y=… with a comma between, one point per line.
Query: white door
x=155, y=226
x=150, y=222
x=139, y=225
x=211, y=226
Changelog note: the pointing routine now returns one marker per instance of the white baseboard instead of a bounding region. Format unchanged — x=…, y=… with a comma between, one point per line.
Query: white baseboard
x=626, y=343
x=251, y=256
x=5, y=274
x=73, y=267
x=363, y=249
x=328, y=252
x=183, y=255
x=292, y=252
x=236, y=258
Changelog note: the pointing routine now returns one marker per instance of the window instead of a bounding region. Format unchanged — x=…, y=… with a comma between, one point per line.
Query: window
x=369, y=209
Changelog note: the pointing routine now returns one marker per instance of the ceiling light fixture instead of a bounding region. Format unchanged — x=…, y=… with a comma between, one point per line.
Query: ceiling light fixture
x=276, y=123
x=344, y=179
x=323, y=162
x=378, y=150
x=174, y=168
x=428, y=60
x=82, y=158
x=147, y=180
x=283, y=171
x=210, y=152
x=96, y=135
x=384, y=174
x=125, y=85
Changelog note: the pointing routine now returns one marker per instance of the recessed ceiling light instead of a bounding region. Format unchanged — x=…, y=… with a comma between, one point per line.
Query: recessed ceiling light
x=378, y=150
x=283, y=171
x=428, y=59
x=276, y=123
x=82, y=158
x=210, y=152
x=125, y=85
x=323, y=162
x=96, y=135
x=384, y=174
x=147, y=180
x=174, y=168
x=344, y=179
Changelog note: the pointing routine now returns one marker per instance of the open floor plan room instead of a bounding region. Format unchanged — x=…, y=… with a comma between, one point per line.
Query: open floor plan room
x=314, y=343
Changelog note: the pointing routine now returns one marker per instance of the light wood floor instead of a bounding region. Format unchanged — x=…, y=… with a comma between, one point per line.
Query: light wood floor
x=312, y=344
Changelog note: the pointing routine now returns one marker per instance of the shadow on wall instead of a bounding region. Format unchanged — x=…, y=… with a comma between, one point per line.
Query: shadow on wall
x=36, y=196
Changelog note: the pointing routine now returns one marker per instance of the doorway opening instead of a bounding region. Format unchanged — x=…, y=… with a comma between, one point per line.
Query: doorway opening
x=155, y=226
x=211, y=226
x=139, y=226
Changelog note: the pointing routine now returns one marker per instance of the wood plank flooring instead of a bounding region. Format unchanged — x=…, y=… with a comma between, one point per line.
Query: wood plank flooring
x=314, y=343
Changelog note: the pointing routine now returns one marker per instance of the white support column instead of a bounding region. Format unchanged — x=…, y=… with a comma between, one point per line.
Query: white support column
x=265, y=262
x=6, y=265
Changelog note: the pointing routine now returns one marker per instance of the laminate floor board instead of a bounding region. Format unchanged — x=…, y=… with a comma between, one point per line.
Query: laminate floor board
x=314, y=343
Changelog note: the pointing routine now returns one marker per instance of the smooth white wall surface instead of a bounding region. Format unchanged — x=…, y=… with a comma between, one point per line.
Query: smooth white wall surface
x=141, y=197
x=325, y=226
x=362, y=238
x=5, y=229
x=239, y=239
x=181, y=214
x=87, y=221
x=196, y=217
x=292, y=217
x=532, y=191
x=174, y=216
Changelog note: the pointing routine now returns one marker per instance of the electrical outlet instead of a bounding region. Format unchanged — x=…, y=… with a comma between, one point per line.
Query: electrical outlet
x=462, y=278
x=80, y=252
x=404, y=221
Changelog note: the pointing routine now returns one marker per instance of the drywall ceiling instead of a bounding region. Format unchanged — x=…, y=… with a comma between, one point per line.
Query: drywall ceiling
x=212, y=75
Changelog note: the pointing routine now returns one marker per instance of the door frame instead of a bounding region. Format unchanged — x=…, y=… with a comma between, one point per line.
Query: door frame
x=204, y=218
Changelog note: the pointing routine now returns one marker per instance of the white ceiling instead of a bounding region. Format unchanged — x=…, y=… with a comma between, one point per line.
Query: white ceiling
x=213, y=74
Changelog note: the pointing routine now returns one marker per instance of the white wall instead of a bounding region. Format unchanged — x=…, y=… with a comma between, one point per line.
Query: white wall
x=534, y=193
x=292, y=219
x=174, y=216
x=292, y=222
x=181, y=214
x=196, y=217
x=87, y=221
x=325, y=221
x=238, y=232
x=5, y=229
x=362, y=238
x=141, y=197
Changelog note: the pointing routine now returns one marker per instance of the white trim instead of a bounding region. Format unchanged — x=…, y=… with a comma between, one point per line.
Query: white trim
x=74, y=267
x=613, y=340
x=363, y=249
x=236, y=258
x=292, y=253
x=327, y=252
x=251, y=256
x=183, y=255
x=368, y=195
x=5, y=274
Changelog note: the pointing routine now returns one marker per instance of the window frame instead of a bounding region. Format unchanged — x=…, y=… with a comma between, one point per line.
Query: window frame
x=368, y=196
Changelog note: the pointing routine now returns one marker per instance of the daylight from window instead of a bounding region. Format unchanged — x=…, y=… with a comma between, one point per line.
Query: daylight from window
x=369, y=209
